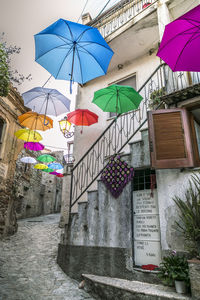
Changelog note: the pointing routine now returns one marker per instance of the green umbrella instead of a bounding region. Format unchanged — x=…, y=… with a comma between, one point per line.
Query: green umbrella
x=48, y=170
x=46, y=158
x=117, y=98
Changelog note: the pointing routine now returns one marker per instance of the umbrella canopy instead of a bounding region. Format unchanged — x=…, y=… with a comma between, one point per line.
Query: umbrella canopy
x=46, y=158
x=82, y=117
x=72, y=51
x=180, y=44
x=28, y=135
x=34, y=121
x=46, y=101
x=48, y=170
x=117, y=98
x=54, y=173
x=60, y=175
x=55, y=166
x=33, y=146
x=28, y=160
x=40, y=167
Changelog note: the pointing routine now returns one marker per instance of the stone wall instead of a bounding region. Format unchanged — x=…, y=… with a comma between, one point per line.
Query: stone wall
x=36, y=192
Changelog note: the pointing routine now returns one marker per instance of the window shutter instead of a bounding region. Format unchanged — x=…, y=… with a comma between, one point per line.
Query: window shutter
x=170, y=139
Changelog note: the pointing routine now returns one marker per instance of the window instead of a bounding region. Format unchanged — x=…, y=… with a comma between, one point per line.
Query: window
x=2, y=132
x=130, y=81
x=174, y=138
x=142, y=179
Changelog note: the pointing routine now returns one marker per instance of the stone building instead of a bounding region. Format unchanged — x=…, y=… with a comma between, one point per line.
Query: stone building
x=36, y=192
x=115, y=237
x=10, y=108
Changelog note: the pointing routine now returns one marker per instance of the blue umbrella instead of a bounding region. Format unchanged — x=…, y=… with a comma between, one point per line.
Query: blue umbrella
x=72, y=51
x=55, y=166
x=46, y=101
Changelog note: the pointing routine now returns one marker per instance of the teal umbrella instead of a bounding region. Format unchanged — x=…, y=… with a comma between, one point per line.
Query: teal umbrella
x=46, y=158
x=117, y=98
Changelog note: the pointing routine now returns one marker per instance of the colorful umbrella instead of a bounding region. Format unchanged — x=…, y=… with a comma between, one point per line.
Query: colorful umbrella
x=34, y=121
x=40, y=167
x=60, y=175
x=46, y=101
x=82, y=117
x=28, y=135
x=117, y=98
x=33, y=146
x=180, y=44
x=28, y=160
x=55, y=166
x=54, y=173
x=72, y=51
x=48, y=170
x=46, y=158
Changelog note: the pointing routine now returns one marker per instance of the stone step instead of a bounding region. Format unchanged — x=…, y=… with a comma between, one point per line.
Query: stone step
x=108, y=288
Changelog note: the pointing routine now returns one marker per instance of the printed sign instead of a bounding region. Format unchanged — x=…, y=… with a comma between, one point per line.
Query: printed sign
x=147, y=252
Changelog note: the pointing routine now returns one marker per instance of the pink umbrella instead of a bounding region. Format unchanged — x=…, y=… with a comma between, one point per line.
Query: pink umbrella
x=54, y=173
x=33, y=146
x=180, y=45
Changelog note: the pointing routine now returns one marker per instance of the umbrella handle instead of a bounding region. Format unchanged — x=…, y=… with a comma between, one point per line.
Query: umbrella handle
x=46, y=123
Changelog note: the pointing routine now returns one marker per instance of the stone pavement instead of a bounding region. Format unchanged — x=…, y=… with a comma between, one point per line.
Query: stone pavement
x=28, y=269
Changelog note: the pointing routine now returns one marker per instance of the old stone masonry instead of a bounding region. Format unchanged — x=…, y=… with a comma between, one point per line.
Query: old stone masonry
x=28, y=269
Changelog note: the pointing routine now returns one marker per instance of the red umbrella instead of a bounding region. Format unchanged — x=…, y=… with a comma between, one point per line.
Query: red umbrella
x=82, y=117
x=60, y=175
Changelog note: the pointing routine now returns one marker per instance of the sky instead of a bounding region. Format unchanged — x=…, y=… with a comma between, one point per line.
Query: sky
x=20, y=20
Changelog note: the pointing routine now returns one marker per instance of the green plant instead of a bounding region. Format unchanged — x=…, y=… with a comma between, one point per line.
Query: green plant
x=4, y=74
x=155, y=99
x=174, y=267
x=189, y=214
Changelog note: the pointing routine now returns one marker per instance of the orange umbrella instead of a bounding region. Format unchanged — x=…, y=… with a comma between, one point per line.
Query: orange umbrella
x=35, y=121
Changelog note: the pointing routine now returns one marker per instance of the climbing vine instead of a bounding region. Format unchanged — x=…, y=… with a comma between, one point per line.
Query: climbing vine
x=4, y=72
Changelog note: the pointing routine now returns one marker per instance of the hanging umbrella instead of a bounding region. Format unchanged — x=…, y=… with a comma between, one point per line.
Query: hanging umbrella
x=46, y=101
x=82, y=117
x=28, y=160
x=46, y=158
x=180, y=44
x=40, y=167
x=34, y=121
x=48, y=170
x=33, y=146
x=72, y=51
x=60, y=175
x=117, y=98
x=54, y=173
x=55, y=166
x=28, y=135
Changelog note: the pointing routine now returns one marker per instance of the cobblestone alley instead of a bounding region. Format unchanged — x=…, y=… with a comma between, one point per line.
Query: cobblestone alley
x=28, y=269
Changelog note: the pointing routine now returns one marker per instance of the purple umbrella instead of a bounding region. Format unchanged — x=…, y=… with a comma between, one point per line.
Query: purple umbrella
x=54, y=173
x=33, y=146
x=180, y=45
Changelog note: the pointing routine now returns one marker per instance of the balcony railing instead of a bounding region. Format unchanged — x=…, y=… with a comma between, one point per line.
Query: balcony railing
x=119, y=15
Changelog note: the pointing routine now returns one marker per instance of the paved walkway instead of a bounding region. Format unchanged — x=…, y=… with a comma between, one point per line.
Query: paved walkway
x=28, y=269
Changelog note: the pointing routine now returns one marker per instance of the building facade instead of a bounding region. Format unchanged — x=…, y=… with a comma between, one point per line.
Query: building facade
x=160, y=140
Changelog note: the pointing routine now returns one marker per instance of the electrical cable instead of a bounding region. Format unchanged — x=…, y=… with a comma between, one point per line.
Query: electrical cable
x=103, y=8
x=82, y=10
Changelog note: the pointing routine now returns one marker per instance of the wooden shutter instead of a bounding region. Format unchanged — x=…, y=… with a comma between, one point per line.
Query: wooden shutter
x=170, y=139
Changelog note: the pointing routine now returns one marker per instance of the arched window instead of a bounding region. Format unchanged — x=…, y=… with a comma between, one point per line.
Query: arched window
x=2, y=132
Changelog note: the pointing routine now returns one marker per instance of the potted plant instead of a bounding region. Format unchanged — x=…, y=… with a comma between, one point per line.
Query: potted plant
x=155, y=98
x=174, y=271
x=189, y=225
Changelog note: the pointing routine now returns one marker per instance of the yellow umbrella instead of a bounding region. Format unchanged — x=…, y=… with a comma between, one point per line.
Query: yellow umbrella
x=35, y=121
x=28, y=135
x=41, y=167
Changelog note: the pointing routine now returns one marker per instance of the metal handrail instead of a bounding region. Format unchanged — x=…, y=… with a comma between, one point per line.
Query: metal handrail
x=123, y=128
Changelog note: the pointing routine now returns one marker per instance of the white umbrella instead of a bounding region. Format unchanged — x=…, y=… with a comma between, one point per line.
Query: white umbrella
x=28, y=160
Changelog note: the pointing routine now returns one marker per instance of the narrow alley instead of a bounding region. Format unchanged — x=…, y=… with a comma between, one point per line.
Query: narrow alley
x=28, y=269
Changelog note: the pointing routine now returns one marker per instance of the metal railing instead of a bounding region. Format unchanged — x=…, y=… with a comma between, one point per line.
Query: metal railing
x=119, y=15
x=123, y=128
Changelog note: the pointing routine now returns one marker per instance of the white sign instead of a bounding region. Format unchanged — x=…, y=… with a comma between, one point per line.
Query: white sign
x=3, y=170
x=146, y=228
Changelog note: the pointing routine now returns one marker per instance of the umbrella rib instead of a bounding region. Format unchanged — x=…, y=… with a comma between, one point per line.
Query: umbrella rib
x=69, y=30
x=82, y=33
x=108, y=102
x=96, y=44
x=42, y=105
x=50, y=51
x=174, y=37
x=34, y=98
x=64, y=60
x=53, y=104
x=94, y=58
x=129, y=97
x=186, y=44
x=102, y=95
